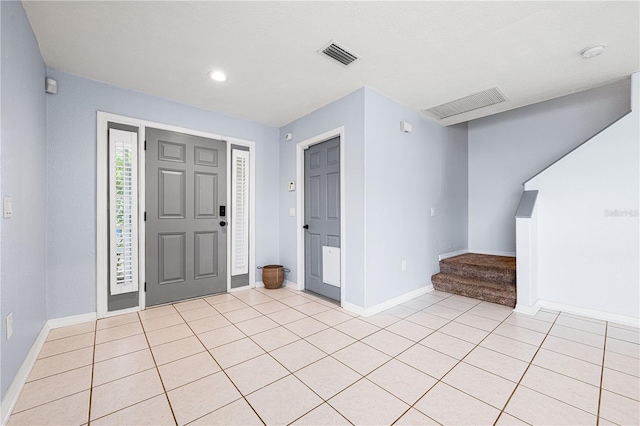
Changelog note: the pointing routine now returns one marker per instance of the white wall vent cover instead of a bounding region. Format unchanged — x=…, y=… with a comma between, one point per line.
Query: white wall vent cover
x=468, y=103
x=338, y=53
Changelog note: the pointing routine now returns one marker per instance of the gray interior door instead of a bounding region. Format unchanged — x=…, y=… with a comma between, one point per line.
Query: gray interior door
x=321, y=211
x=186, y=235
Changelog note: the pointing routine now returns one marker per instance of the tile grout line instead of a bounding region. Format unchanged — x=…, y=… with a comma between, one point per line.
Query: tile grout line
x=412, y=406
x=362, y=376
x=59, y=373
x=93, y=363
x=166, y=395
x=455, y=365
x=324, y=357
x=155, y=365
x=242, y=396
x=292, y=373
x=64, y=371
x=461, y=360
x=386, y=362
x=604, y=352
x=413, y=345
x=571, y=356
x=331, y=355
x=525, y=372
x=66, y=352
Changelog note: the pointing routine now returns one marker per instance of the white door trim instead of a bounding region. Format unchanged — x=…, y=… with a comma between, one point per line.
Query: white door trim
x=300, y=148
x=102, y=207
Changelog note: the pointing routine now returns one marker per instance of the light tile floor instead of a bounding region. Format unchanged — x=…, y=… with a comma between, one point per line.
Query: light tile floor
x=287, y=357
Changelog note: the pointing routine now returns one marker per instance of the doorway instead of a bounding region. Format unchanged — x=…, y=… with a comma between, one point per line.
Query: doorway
x=132, y=136
x=186, y=227
x=321, y=208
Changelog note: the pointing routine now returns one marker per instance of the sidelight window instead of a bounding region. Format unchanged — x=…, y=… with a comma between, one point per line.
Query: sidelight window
x=240, y=212
x=123, y=211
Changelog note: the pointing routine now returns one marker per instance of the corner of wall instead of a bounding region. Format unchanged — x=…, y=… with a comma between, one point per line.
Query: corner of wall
x=423, y=169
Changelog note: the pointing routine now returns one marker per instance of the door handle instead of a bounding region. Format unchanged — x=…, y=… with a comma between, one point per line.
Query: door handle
x=223, y=223
x=306, y=226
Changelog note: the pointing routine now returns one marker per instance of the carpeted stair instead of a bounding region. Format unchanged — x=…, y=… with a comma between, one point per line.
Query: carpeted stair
x=480, y=276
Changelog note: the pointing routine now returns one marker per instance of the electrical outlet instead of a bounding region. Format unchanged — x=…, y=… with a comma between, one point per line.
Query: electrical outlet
x=9, y=325
x=403, y=266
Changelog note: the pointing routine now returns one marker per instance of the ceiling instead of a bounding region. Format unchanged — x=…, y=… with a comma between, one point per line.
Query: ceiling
x=421, y=54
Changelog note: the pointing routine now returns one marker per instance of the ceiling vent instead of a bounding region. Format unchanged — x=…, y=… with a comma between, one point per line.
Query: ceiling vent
x=338, y=53
x=468, y=103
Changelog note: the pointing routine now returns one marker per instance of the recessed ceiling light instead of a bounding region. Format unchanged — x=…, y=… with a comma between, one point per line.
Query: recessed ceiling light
x=217, y=76
x=591, y=51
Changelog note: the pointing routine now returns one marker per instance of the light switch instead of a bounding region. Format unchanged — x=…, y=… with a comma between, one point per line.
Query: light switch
x=9, y=325
x=8, y=210
x=292, y=211
x=433, y=211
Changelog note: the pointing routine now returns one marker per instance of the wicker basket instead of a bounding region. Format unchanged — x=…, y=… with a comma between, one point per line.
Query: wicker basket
x=273, y=276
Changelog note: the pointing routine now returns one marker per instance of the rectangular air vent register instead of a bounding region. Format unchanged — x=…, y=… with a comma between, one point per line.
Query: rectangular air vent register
x=468, y=103
x=338, y=53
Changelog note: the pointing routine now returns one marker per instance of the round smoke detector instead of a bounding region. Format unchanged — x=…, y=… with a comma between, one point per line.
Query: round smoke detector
x=591, y=51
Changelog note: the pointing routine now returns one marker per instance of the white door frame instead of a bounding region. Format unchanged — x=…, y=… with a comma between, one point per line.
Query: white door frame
x=102, y=207
x=300, y=148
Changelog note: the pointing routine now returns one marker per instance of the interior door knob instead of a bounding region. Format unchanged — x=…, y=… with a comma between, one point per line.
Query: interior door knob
x=223, y=223
x=306, y=226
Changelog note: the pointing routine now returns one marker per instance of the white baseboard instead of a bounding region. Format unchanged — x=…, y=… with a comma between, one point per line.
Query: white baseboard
x=244, y=287
x=367, y=312
x=74, y=319
x=397, y=300
x=292, y=285
x=591, y=313
x=286, y=283
x=13, y=392
x=527, y=310
x=120, y=312
x=358, y=310
x=489, y=252
x=452, y=254
x=576, y=310
x=495, y=253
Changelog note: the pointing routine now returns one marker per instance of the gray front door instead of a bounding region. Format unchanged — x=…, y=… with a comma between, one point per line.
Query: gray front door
x=186, y=236
x=321, y=212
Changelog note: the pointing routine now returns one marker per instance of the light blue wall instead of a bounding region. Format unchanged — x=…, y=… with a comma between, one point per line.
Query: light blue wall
x=1, y=340
x=406, y=175
x=71, y=179
x=392, y=180
x=23, y=178
x=507, y=149
x=348, y=112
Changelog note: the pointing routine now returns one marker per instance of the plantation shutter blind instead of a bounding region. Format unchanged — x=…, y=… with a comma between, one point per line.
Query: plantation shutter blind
x=123, y=211
x=240, y=213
